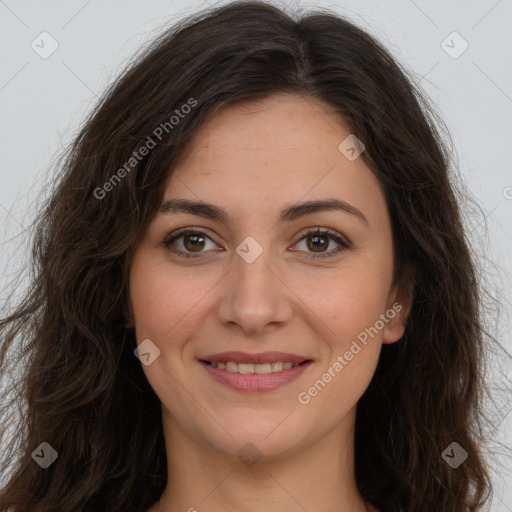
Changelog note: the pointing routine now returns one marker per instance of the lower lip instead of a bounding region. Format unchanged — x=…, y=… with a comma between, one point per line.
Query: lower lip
x=255, y=382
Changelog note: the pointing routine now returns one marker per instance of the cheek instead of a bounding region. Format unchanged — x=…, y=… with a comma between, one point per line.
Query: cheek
x=157, y=301
x=168, y=300
x=349, y=309
x=347, y=301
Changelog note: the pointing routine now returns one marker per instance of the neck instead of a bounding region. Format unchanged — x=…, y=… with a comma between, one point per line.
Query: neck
x=317, y=476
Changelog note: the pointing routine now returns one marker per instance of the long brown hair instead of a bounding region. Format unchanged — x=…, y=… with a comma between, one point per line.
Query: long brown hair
x=84, y=392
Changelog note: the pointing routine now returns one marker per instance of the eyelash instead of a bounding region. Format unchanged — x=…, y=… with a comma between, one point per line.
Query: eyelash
x=332, y=235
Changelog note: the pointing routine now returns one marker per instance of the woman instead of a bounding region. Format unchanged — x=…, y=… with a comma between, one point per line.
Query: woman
x=253, y=289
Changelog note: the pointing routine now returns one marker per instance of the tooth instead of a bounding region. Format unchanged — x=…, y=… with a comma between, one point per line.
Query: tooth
x=245, y=367
x=262, y=368
x=276, y=366
x=231, y=366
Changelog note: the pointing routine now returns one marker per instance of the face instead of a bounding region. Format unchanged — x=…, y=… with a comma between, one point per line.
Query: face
x=251, y=274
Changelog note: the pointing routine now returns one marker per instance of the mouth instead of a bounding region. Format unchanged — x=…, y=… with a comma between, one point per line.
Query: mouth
x=255, y=377
x=252, y=368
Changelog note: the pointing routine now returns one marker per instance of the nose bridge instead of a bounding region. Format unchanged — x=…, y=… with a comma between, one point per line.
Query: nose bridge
x=253, y=296
x=252, y=266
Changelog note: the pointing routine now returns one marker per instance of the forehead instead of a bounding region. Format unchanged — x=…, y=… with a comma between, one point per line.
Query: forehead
x=283, y=124
x=279, y=149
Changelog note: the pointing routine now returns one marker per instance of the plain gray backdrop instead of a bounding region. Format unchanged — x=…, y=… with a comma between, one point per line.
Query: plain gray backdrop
x=57, y=57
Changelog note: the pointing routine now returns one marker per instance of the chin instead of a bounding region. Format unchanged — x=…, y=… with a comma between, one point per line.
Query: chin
x=253, y=437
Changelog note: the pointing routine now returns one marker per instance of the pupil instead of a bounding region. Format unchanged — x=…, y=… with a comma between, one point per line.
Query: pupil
x=195, y=243
x=315, y=240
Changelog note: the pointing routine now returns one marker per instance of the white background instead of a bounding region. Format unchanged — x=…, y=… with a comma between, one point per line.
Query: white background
x=43, y=102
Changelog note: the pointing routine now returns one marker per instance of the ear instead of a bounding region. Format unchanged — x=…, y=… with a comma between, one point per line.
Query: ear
x=398, y=307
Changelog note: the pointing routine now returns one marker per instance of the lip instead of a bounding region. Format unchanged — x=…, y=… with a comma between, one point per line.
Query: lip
x=254, y=382
x=255, y=358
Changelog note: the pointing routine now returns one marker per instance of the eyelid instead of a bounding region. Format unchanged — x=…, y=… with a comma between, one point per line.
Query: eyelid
x=323, y=231
x=331, y=234
x=170, y=238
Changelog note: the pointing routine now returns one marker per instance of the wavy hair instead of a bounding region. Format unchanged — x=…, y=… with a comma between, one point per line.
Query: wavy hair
x=83, y=391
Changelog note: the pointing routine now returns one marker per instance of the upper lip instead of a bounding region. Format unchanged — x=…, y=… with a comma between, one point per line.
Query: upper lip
x=262, y=357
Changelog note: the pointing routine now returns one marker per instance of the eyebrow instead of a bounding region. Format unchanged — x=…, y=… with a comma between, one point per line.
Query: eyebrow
x=290, y=213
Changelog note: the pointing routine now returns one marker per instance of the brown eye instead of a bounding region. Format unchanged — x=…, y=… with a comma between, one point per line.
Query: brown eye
x=193, y=242
x=318, y=241
x=188, y=244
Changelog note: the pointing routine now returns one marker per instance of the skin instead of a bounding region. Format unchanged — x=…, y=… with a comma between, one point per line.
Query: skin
x=253, y=160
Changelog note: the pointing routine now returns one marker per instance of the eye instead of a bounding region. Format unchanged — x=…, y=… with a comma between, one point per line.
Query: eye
x=189, y=243
x=318, y=240
x=189, y=240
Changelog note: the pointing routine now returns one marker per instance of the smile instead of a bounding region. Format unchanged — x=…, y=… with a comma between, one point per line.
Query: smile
x=248, y=368
x=255, y=378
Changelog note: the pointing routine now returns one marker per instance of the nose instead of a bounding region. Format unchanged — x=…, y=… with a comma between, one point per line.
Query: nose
x=253, y=296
